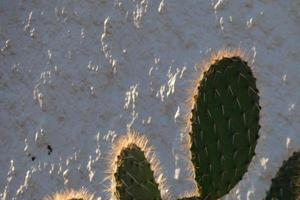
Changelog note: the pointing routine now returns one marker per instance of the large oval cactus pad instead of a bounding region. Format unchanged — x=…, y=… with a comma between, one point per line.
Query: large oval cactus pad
x=225, y=125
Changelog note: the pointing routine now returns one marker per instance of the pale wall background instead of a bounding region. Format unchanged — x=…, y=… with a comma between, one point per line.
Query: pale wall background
x=75, y=74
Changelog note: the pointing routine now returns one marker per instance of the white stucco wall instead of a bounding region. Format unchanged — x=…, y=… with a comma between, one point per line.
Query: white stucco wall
x=75, y=74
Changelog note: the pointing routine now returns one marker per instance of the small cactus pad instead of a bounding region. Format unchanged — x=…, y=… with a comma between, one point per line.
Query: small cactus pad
x=191, y=198
x=71, y=194
x=134, y=177
x=225, y=125
x=286, y=184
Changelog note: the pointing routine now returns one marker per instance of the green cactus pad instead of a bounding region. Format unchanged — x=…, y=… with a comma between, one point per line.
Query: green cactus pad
x=225, y=125
x=191, y=198
x=286, y=184
x=134, y=177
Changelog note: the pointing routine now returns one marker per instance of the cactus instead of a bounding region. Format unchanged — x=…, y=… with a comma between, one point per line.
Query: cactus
x=135, y=170
x=224, y=125
x=71, y=194
x=286, y=184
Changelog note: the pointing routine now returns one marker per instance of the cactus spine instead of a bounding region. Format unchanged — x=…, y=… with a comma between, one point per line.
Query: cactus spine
x=286, y=184
x=135, y=170
x=224, y=125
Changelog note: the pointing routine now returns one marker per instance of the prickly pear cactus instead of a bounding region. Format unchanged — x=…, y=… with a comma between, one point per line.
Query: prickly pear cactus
x=134, y=176
x=286, y=184
x=225, y=125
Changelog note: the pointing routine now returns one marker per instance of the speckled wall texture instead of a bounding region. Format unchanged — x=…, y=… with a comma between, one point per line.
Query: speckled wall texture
x=76, y=74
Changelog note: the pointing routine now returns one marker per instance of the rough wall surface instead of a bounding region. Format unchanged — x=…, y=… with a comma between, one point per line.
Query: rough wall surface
x=75, y=74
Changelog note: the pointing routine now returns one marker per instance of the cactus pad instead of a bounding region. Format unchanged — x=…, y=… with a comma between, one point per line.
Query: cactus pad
x=71, y=194
x=286, y=184
x=134, y=176
x=191, y=198
x=225, y=125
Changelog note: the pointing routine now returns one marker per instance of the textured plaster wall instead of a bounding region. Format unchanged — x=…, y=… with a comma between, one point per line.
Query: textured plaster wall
x=76, y=74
